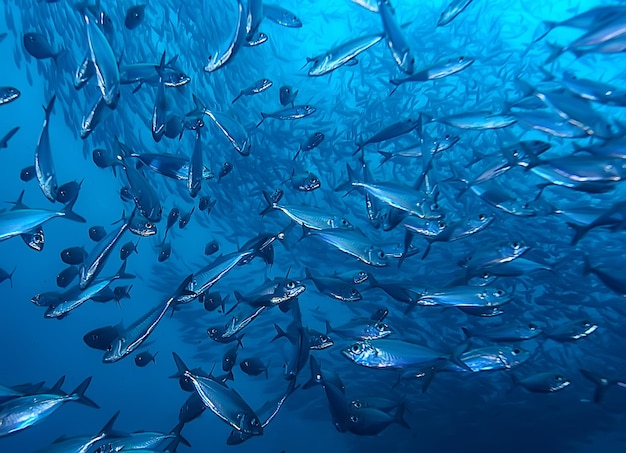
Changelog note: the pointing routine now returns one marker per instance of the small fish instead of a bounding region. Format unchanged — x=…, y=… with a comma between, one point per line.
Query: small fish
x=38, y=46
x=165, y=252
x=290, y=113
x=127, y=249
x=97, y=233
x=73, y=255
x=211, y=248
x=230, y=358
x=144, y=358
x=227, y=167
x=8, y=94
x=305, y=181
x=213, y=301
x=257, y=87
x=66, y=276
x=311, y=143
x=134, y=16
x=287, y=95
x=68, y=191
x=281, y=16
x=571, y=330
x=221, y=58
x=44, y=166
x=548, y=382
x=184, y=219
x=455, y=8
x=253, y=366
x=28, y=173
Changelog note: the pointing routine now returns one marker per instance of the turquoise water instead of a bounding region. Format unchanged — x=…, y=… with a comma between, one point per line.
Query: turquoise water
x=478, y=412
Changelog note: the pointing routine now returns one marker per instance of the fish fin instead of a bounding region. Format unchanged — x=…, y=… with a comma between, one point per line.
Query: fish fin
x=555, y=52
x=56, y=388
x=71, y=215
x=48, y=108
x=579, y=232
x=138, y=87
x=601, y=383
x=154, y=356
x=180, y=366
x=79, y=392
x=240, y=345
x=347, y=185
x=429, y=375
x=237, y=97
x=542, y=30
x=107, y=430
x=466, y=332
x=179, y=438
x=316, y=374
x=427, y=250
x=307, y=274
x=263, y=117
x=387, y=156
x=398, y=417
x=270, y=203
x=329, y=328
x=455, y=357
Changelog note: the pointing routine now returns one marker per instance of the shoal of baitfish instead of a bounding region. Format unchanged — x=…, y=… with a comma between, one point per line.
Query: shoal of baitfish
x=426, y=226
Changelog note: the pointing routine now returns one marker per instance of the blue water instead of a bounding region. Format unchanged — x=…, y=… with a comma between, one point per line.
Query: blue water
x=480, y=412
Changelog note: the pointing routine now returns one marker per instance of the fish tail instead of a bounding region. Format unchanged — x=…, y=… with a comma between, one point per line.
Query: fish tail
x=11, y=276
x=121, y=273
x=316, y=374
x=408, y=238
x=71, y=215
x=579, y=53
x=237, y=97
x=579, y=232
x=181, y=368
x=48, y=108
x=79, y=394
x=307, y=274
x=555, y=52
x=395, y=88
x=387, y=156
x=263, y=116
x=601, y=383
x=329, y=328
x=179, y=438
x=427, y=250
x=107, y=430
x=347, y=185
x=543, y=29
x=270, y=203
x=398, y=417
x=239, y=342
x=466, y=332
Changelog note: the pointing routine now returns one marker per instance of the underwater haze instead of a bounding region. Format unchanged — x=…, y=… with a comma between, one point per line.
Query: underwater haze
x=303, y=226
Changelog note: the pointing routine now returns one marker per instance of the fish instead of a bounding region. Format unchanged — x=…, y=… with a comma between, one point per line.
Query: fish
x=21, y=221
x=253, y=366
x=7, y=95
x=66, y=276
x=354, y=243
x=392, y=131
x=97, y=233
x=571, y=330
x=44, y=166
x=287, y=95
x=396, y=42
x=129, y=339
x=223, y=401
x=281, y=16
x=342, y=54
x=546, y=382
x=134, y=16
x=394, y=354
x=438, y=70
x=452, y=11
x=142, y=359
x=334, y=287
x=104, y=62
x=311, y=143
x=506, y=332
x=37, y=45
x=291, y=113
x=25, y=411
x=221, y=58
x=257, y=87
x=68, y=191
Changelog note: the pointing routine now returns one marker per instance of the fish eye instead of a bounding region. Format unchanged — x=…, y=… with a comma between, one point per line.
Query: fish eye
x=516, y=351
x=558, y=377
x=254, y=422
x=447, y=137
x=353, y=292
x=442, y=224
x=381, y=254
x=344, y=222
x=357, y=404
x=356, y=348
x=354, y=419
x=532, y=326
x=482, y=216
x=516, y=245
x=314, y=180
x=287, y=90
x=486, y=275
x=109, y=348
x=586, y=323
x=291, y=285
x=308, y=107
x=461, y=58
x=498, y=293
x=38, y=238
x=212, y=331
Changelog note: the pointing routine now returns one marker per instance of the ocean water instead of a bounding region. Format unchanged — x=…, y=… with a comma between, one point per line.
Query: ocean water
x=459, y=411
